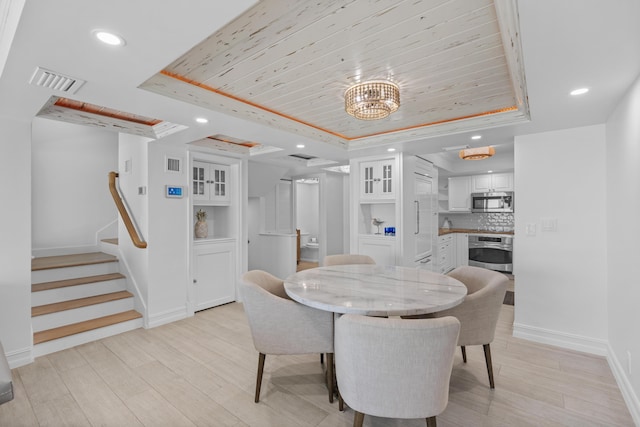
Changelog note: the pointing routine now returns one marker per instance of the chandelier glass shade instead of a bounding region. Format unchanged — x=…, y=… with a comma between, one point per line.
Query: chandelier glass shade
x=477, y=153
x=372, y=100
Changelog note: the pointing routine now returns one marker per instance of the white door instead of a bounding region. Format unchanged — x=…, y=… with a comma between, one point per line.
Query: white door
x=423, y=205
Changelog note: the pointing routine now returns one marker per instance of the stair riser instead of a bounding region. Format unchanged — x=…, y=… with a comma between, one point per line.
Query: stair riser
x=85, y=337
x=75, y=292
x=53, y=274
x=76, y=315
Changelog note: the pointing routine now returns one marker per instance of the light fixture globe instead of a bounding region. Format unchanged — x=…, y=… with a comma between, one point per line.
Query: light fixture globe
x=372, y=100
x=477, y=153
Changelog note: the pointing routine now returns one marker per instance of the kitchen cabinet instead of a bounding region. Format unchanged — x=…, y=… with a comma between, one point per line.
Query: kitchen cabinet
x=381, y=248
x=446, y=253
x=214, y=273
x=460, y=194
x=462, y=249
x=490, y=183
x=425, y=210
x=378, y=180
x=210, y=183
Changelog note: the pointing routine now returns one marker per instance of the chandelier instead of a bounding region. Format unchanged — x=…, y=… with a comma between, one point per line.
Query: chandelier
x=477, y=153
x=372, y=100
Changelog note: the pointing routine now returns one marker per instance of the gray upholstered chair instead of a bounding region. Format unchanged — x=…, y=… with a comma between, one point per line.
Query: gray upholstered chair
x=478, y=313
x=282, y=326
x=6, y=383
x=395, y=368
x=346, y=259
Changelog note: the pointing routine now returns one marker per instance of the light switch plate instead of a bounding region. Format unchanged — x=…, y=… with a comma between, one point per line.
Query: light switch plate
x=530, y=229
x=549, y=224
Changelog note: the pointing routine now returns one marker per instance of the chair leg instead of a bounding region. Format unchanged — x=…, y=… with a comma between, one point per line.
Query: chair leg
x=340, y=402
x=464, y=353
x=330, y=376
x=431, y=422
x=261, y=358
x=358, y=419
x=321, y=358
x=487, y=358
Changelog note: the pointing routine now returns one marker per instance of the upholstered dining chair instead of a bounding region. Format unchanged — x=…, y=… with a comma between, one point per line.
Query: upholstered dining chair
x=395, y=368
x=478, y=313
x=280, y=325
x=6, y=383
x=345, y=259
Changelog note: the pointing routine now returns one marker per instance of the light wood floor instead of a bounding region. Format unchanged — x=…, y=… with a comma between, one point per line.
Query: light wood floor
x=201, y=371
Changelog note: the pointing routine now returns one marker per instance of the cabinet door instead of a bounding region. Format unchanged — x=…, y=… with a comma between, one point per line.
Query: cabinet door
x=218, y=179
x=502, y=182
x=424, y=209
x=482, y=184
x=199, y=178
x=462, y=249
x=381, y=249
x=214, y=278
x=460, y=194
x=377, y=180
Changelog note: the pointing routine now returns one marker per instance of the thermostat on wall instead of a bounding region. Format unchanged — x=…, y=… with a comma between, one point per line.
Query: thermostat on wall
x=174, y=191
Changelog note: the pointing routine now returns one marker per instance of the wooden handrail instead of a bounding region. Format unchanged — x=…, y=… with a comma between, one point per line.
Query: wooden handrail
x=137, y=241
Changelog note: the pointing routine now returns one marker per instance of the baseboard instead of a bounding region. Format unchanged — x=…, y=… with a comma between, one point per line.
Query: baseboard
x=165, y=317
x=20, y=357
x=629, y=395
x=561, y=339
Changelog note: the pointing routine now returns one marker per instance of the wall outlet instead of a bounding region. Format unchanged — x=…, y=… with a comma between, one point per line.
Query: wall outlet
x=628, y=362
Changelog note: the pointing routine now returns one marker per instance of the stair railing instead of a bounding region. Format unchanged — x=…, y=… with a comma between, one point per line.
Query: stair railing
x=128, y=223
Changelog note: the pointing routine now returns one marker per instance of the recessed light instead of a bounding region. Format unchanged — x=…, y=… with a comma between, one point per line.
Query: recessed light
x=300, y=146
x=202, y=120
x=580, y=91
x=391, y=149
x=476, y=137
x=109, y=38
x=489, y=171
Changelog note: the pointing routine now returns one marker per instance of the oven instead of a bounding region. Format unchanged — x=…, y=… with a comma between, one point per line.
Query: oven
x=494, y=252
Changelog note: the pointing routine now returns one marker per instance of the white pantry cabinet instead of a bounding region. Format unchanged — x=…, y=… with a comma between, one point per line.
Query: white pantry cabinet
x=210, y=183
x=378, y=180
x=214, y=273
x=489, y=183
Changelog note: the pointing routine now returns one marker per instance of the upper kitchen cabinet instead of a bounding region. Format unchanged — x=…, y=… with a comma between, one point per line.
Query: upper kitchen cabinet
x=378, y=181
x=210, y=183
x=460, y=194
x=490, y=183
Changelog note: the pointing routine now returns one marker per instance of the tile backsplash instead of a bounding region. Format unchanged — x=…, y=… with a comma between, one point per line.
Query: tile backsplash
x=479, y=221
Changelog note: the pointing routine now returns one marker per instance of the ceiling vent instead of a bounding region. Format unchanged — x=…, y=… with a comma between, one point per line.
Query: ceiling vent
x=55, y=81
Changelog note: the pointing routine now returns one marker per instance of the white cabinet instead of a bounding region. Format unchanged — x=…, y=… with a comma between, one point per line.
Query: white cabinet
x=210, y=183
x=425, y=210
x=378, y=180
x=381, y=248
x=460, y=194
x=489, y=183
x=462, y=249
x=214, y=273
x=446, y=253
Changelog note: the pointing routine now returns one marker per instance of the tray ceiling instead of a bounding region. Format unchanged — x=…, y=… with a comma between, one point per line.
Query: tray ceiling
x=288, y=63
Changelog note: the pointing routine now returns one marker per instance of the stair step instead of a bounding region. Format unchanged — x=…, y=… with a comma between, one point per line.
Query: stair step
x=113, y=241
x=88, y=325
x=61, y=261
x=77, y=303
x=39, y=287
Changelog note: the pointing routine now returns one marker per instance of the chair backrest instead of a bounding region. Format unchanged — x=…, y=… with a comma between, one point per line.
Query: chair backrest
x=280, y=325
x=394, y=367
x=346, y=259
x=479, y=312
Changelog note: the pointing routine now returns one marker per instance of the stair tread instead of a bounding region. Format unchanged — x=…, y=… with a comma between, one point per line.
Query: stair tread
x=88, y=325
x=77, y=303
x=60, y=261
x=45, y=286
x=113, y=241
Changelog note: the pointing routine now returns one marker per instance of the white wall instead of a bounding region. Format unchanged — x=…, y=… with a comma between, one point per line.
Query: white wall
x=15, y=244
x=623, y=229
x=335, y=213
x=561, y=275
x=307, y=208
x=70, y=193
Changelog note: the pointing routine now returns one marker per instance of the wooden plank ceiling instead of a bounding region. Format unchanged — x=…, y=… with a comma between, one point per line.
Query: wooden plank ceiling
x=288, y=63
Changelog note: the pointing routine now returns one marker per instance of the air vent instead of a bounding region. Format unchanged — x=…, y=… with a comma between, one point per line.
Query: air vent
x=173, y=164
x=302, y=156
x=55, y=81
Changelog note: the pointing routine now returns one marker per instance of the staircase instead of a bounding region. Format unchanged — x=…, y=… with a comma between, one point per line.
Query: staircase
x=78, y=298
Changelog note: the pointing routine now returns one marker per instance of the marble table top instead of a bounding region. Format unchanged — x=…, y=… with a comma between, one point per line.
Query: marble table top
x=375, y=290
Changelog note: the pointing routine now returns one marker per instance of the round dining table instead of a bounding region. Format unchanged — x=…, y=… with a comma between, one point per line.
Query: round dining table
x=375, y=290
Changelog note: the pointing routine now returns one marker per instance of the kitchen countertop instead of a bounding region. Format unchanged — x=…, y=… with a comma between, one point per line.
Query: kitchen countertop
x=442, y=231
